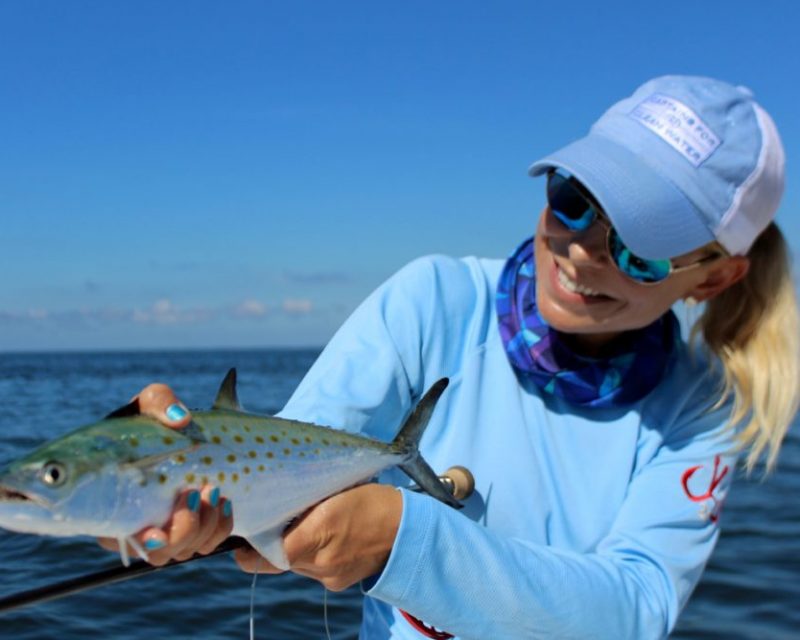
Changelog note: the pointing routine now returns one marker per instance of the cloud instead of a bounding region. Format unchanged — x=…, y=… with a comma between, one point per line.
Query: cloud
x=164, y=312
x=297, y=306
x=250, y=309
x=38, y=314
x=25, y=316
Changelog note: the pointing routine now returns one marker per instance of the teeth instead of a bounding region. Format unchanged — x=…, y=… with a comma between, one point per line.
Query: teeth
x=571, y=285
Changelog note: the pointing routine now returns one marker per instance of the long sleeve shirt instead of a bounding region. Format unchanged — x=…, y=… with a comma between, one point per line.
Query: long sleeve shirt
x=584, y=523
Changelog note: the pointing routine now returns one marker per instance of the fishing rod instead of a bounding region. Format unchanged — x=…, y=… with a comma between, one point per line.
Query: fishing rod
x=117, y=573
x=457, y=480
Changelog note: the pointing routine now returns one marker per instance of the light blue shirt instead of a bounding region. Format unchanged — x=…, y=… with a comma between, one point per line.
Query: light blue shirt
x=585, y=523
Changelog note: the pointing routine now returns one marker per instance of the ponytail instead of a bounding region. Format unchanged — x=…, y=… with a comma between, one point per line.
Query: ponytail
x=753, y=327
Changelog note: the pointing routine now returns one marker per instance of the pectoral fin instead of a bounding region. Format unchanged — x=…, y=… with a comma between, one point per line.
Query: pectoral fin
x=270, y=545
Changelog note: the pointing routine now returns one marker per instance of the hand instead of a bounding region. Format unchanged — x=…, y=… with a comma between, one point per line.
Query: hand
x=341, y=540
x=200, y=520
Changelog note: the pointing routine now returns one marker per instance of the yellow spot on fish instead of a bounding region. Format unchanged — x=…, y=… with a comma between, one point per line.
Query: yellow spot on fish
x=206, y=459
x=270, y=454
x=221, y=476
x=274, y=438
x=308, y=439
x=295, y=441
x=286, y=452
x=162, y=479
x=259, y=439
x=302, y=454
x=252, y=454
x=216, y=439
x=231, y=458
x=180, y=458
x=134, y=442
x=316, y=452
x=238, y=438
x=235, y=477
x=189, y=478
x=168, y=440
x=224, y=428
x=246, y=428
x=283, y=432
x=326, y=442
x=261, y=467
x=246, y=470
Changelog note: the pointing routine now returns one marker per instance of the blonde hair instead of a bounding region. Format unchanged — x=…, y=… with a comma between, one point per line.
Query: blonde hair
x=754, y=328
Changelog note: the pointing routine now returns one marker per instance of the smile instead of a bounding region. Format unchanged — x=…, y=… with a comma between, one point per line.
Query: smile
x=570, y=285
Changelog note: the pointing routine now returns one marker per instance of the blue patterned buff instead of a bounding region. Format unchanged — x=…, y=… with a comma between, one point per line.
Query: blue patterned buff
x=540, y=354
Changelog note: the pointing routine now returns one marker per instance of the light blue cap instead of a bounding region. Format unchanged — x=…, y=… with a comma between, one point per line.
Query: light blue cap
x=681, y=163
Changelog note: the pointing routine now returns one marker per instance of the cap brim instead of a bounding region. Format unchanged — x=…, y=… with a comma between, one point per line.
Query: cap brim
x=652, y=216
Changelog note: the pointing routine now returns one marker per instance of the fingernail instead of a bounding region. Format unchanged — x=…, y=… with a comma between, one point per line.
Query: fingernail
x=227, y=509
x=152, y=544
x=213, y=499
x=193, y=500
x=176, y=412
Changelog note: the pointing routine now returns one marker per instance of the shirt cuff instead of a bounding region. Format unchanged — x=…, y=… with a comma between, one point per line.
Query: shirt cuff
x=406, y=560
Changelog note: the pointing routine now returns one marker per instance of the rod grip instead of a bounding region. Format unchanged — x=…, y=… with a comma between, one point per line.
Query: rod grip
x=459, y=481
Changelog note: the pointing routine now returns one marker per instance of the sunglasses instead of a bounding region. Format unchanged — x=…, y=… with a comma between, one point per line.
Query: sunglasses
x=577, y=210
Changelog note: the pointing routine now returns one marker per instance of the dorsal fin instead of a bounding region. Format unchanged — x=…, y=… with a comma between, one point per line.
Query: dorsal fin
x=226, y=396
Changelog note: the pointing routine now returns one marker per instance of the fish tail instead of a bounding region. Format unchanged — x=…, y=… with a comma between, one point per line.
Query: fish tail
x=407, y=442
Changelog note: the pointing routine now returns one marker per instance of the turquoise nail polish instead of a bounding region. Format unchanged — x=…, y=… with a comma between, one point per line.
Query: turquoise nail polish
x=176, y=412
x=213, y=499
x=227, y=509
x=193, y=500
x=153, y=544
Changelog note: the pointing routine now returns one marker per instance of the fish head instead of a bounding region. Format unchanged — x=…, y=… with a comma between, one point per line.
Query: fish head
x=70, y=486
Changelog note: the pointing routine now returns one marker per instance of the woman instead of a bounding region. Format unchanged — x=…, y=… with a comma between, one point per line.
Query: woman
x=601, y=443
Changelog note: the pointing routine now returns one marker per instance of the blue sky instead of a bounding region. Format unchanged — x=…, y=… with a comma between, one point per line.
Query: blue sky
x=204, y=174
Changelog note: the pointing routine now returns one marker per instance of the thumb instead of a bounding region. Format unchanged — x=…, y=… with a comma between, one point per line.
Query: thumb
x=158, y=401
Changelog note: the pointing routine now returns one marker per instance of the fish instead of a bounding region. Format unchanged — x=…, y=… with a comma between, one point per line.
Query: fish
x=114, y=477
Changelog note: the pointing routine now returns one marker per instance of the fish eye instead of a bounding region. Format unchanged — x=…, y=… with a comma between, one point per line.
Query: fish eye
x=54, y=474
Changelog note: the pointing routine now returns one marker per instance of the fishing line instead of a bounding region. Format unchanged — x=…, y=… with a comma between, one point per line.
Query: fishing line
x=253, y=600
x=325, y=610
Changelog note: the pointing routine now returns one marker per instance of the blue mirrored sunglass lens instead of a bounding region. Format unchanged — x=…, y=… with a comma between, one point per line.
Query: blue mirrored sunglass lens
x=568, y=204
x=635, y=267
x=574, y=224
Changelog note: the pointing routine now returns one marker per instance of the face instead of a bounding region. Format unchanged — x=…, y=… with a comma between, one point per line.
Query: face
x=581, y=292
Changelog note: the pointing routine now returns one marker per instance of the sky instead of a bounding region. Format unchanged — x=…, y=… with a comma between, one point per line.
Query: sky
x=242, y=174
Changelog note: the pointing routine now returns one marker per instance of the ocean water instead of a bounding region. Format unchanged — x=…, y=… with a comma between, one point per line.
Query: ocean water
x=751, y=588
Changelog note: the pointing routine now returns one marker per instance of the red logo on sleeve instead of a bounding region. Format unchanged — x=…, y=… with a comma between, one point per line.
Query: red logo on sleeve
x=716, y=477
x=426, y=630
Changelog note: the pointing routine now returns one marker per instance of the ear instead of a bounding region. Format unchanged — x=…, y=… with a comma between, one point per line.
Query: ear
x=721, y=275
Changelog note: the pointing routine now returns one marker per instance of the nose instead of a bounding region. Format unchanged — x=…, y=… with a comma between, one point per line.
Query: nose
x=583, y=248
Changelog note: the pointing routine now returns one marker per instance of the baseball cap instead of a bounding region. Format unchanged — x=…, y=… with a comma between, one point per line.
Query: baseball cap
x=682, y=162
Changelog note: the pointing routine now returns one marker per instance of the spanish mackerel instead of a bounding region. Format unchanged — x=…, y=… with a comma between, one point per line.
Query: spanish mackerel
x=117, y=476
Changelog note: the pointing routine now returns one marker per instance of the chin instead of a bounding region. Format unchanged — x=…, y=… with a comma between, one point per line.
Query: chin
x=593, y=329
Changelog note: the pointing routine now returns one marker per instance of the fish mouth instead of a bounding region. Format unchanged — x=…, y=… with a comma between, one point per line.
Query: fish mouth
x=7, y=494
